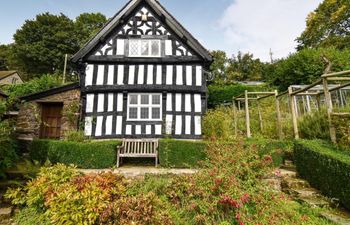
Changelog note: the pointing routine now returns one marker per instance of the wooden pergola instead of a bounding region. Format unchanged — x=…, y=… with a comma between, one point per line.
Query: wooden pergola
x=256, y=96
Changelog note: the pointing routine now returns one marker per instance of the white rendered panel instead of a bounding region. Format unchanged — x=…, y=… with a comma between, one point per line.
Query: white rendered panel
x=109, y=120
x=158, y=129
x=189, y=75
x=178, y=104
x=120, y=46
x=197, y=103
x=150, y=74
x=188, y=125
x=141, y=75
x=89, y=75
x=148, y=129
x=119, y=125
x=159, y=75
x=100, y=74
x=101, y=103
x=110, y=102
x=198, y=75
x=128, y=130
x=179, y=75
x=110, y=80
x=138, y=129
x=168, y=124
x=178, y=125
x=169, y=102
x=120, y=79
x=188, y=103
x=168, y=47
x=169, y=75
x=90, y=103
x=197, y=125
x=88, y=126
x=120, y=102
x=131, y=74
x=99, y=126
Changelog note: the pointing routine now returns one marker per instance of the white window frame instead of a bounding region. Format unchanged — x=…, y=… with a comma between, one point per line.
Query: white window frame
x=149, y=48
x=149, y=106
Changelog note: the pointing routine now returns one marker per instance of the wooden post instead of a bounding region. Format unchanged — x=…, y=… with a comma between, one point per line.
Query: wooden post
x=329, y=105
x=65, y=68
x=247, y=118
x=279, y=118
x=318, y=102
x=235, y=117
x=260, y=116
x=293, y=110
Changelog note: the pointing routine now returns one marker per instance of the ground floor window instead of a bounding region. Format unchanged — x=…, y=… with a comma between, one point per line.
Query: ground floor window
x=144, y=107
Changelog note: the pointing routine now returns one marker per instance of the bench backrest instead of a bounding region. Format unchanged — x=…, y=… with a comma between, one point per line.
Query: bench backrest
x=140, y=147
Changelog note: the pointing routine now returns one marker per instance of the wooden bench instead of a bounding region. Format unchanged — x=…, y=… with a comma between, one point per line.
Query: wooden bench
x=138, y=148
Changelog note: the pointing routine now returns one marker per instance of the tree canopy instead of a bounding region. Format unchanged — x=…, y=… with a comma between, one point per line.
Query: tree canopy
x=328, y=25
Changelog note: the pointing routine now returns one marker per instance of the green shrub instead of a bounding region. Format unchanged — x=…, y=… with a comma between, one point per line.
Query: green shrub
x=325, y=167
x=86, y=155
x=8, y=155
x=314, y=126
x=217, y=125
x=220, y=94
x=77, y=136
x=180, y=154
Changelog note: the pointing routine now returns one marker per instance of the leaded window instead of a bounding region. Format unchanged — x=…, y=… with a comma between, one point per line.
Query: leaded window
x=144, y=107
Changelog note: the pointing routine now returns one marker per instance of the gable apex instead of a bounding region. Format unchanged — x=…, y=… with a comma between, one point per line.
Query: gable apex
x=160, y=12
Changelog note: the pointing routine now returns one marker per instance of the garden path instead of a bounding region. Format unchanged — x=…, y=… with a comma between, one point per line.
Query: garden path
x=140, y=171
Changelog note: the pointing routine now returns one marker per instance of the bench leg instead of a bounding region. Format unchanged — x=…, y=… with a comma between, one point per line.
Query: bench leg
x=156, y=161
x=118, y=161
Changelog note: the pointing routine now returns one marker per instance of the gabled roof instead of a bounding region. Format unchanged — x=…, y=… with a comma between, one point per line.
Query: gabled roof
x=119, y=18
x=4, y=74
x=49, y=92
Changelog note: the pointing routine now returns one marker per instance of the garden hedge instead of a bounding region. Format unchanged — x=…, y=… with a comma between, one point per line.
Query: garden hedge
x=86, y=155
x=8, y=155
x=181, y=154
x=220, y=94
x=326, y=167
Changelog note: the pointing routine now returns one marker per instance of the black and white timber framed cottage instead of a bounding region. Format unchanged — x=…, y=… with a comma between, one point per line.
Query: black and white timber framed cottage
x=143, y=76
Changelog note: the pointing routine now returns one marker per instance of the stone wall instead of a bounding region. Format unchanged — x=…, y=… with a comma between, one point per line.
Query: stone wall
x=29, y=117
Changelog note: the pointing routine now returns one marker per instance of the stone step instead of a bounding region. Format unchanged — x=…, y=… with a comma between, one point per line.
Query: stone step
x=294, y=183
x=5, y=213
x=289, y=167
x=286, y=173
x=288, y=162
x=315, y=201
x=336, y=218
x=303, y=192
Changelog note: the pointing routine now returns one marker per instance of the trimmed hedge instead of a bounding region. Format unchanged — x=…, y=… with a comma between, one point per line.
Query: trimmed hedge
x=279, y=150
x=220, y=94
x=181, y=154
x=325, y=167
x=8, y=155
x=86, y=155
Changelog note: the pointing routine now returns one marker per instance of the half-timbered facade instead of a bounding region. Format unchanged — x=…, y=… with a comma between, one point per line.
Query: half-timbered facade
x=143, y=76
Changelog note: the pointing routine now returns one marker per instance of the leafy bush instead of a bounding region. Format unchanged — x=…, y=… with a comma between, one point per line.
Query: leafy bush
x=8, y=155
x=87, y=155
x=220, y=94
x=77, y=136
x=180, y=154
x=325, y=167
x=314, y=125
x=218, y=124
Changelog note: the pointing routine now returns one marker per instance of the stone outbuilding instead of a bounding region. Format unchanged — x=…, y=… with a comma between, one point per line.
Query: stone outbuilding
x=49, y=114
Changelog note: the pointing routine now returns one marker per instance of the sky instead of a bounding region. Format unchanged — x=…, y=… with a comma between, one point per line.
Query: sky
x=253, y=26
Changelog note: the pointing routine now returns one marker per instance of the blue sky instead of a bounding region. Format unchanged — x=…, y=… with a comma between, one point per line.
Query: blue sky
x=252, y=26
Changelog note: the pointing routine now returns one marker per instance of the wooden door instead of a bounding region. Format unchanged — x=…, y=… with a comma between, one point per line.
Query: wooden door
x=51, y=116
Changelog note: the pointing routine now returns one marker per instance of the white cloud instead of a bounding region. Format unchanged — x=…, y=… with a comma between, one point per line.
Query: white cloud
x=255, y=26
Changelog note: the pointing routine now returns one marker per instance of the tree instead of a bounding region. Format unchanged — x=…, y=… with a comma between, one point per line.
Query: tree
x=244, y=67
x=87, y=25
x=328, y=25
x=219, y=66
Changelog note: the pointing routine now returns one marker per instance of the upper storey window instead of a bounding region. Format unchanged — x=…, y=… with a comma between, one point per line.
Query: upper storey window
x=144, y=48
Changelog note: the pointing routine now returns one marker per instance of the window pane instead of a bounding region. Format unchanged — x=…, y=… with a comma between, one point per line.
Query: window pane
x=145, y=48
x=132, y=113
x=155, y=48
x=144, y=99
x=134, y=48
x=156, y=99
x=144, y=113
x=133, y=99
x=155, y=113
